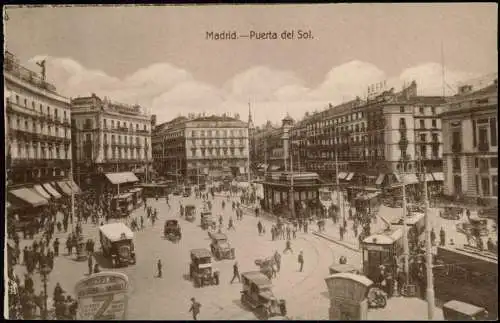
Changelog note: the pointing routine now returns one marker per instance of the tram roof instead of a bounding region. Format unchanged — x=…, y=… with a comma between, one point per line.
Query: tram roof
x=387, y=237
x=355, y=277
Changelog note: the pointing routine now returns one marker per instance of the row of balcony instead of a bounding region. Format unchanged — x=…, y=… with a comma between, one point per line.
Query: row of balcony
x=114, y=160
x=120, y=130
x=225, y=157
x=37, y=137
x=51, y=119
x=219, y=145
x=116, y=144
x=39, y=162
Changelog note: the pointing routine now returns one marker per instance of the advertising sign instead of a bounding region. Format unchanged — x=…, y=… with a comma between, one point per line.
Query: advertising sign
x=102, y=296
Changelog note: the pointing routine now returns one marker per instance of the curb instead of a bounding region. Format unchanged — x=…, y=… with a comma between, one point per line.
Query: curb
x=343, y=244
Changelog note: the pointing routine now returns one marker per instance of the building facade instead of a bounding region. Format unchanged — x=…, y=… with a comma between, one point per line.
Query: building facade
x=213, y=146
x=37, y=124
x=109, y=137
x=385, y=139
x=471, y=144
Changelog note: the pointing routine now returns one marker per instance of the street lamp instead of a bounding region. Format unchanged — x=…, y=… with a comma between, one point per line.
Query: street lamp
x=44, y=272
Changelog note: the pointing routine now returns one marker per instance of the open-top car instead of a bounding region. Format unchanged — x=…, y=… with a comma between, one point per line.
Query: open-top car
x=207, y=220
x=172, y=230
x=190, y=212
x=257, y=294
x=220, y=247
x=200, y=269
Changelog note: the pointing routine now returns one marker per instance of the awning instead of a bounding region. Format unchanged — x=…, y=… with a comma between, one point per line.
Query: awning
x=74, y=187
x=274, y=167
x=380, y=179
x=65, y=188
x=428, y=177
x=342, y=175
x=439, y=176
x=29, y=196
x=349, y=177
x=41, y=191
x=51, y=190
x=120, y=178
x=398, y=178
x=410, y=179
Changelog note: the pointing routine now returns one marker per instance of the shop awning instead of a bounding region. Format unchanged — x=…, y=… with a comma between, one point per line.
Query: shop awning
x=120, y=178
x=29, y=196
x=380, y=179
x=74, y=187
x=349, y=177
x=65, y=188
x=439, y=176
x=51, y=190
x=342, y=175
x=41, y=191
x=428, y=177
x=410, y=179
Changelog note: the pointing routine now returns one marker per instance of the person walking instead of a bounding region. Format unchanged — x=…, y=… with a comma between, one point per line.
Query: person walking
x=259, y=227
x=90, y=264
x=277, y=260
x=195, y=308
x=236, y=273
x=442, y=237
x=55, y=245
x=159, y=267
x=433, y=237
x=301, y=260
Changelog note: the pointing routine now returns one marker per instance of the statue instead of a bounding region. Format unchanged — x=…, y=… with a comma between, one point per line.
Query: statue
x=42, y=65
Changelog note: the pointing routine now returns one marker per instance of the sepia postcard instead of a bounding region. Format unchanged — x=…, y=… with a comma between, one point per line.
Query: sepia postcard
x=251, y=162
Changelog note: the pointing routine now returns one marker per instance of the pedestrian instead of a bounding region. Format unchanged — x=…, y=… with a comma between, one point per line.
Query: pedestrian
x=433, y=237
x=142, y=222
x=96, y=269
x=195, y=308
x=301, y=260
x=341, y=232
x=277, y=260
x=69, y=246
x=90, y=264
x=442, y=237
x=288, y=232
x=230, y=224
x=288, y=247
x=159, y=267
x=259, y=227
x=236, y=273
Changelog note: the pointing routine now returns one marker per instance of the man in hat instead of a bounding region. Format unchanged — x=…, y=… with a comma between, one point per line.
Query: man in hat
x=301, y=260
x=195, y=308
x=159, y=267
x=236, y=272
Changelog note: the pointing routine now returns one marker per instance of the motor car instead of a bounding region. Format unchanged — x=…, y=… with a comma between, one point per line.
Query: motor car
x=172, y=230
x=457, y=311
x=200, y=269
x=220, y=247
x=257, y=294
x=190, y=212
x=207, y=220
x=117, y=243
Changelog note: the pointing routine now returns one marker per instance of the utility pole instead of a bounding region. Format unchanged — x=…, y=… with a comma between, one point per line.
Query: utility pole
x=405, y=237
x=341, y=213
x=430, y=278
x=248, y=157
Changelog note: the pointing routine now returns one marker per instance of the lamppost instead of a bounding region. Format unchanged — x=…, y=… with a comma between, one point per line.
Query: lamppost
x=44, y=272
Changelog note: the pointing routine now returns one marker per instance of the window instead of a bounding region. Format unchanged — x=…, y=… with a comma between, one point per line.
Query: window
x=422, y=137
x=483, y=136
x=493, y=131
x=402, y=123
x=434, y=123
x=456, y=139
x=494, y=184
x=476, y=162
x=456, y=165
x=433, y=110
x=422, y=124
x=421, y=110
x=423, y=151
x=494, y=162
x=483, y=165
x=17, y=99
x=112, y=124
x=193, y=134
x=474, y=129
x=485, y=186
x=402, y=109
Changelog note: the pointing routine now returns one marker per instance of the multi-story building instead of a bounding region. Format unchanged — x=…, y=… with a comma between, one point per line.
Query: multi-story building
x=214, y=146
x=109, y=137
x=38, y=128
x=376, y=140
x=298, y=142
x=471, y=144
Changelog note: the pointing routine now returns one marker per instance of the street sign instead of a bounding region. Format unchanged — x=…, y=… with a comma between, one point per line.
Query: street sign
x=102, y=296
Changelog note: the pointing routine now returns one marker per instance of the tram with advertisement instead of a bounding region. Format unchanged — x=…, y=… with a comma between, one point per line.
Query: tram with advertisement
x=386, y=247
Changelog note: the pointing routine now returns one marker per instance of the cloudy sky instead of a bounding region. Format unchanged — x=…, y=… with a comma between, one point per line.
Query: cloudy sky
x=159, y=57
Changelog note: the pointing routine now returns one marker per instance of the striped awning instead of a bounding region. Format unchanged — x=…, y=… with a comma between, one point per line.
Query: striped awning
x=74, y=187
x=65, y=188
x=410, y=179
x=51, y=190
x=439, y=176
x=29, y=196
x=120, y=178
x=342, y=175
x=39, y=189
x=428, y=177
x=349, y=177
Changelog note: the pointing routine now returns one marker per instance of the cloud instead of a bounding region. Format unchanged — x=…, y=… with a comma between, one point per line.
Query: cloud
x=170, y=91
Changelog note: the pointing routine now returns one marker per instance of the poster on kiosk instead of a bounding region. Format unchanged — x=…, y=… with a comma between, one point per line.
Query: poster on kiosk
x=102, y=296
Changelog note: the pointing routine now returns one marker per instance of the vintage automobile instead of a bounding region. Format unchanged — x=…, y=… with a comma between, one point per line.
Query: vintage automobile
x=458, y=311
x=207, y=220
x=172, y=230
x=257, y=295
x=451, y=213
x=200, y=269
x=117, y=243
x=190, y=212
x=475, y=227
x=266, y=266
x=220, y=247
